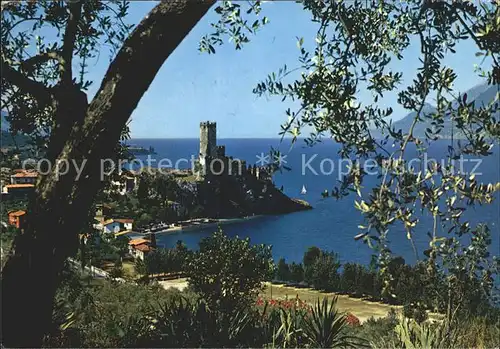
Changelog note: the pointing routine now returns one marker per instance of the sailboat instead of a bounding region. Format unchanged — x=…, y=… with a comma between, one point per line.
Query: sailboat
x=303, y=191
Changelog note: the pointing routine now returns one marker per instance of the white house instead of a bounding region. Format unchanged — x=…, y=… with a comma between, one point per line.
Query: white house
x=111, y=226
x=125, y=223
x=139, y=248
x=115, y=225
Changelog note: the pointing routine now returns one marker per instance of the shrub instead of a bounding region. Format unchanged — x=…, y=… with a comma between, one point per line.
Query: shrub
x=352, y=320
x=415, y=311
x=296, y=272
x=311, y=255
x=352, y=279
x=117, y=271
x=181, y=322
x=323, y=273
x=282, y=271
x=229, y=273
x=380, y=332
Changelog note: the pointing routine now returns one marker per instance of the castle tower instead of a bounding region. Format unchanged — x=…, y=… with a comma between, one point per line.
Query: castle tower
x=208, y=141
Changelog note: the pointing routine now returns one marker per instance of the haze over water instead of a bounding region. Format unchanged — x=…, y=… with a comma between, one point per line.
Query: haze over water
x=332, y=224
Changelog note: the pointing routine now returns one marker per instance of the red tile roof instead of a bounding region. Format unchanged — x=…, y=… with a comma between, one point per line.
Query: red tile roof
x=143, y=248
x=17, y=213
x=136, y=242
x=22, y=174
x=124, y=220
x=10, y=186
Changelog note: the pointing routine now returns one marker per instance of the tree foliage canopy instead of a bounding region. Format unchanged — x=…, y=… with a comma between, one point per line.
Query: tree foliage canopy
x=356, y=43
x=229, y=272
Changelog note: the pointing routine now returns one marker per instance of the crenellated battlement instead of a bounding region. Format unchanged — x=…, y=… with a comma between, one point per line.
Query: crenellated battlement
x=208, y=124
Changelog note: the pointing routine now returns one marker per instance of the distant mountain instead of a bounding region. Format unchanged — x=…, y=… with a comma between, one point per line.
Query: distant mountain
x=405, y=123
x=7, y=139
x=485, y=97
x=482, y=94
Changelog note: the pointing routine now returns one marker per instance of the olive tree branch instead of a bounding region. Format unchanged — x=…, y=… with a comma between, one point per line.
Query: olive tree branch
x=75, y=12
x=43, y=57
x=425, y=52
x=478, y=42
x=25, y=84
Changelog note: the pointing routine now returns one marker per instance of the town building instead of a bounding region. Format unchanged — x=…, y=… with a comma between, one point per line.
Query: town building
x=17, y=218
x=17, y=191
x=125, y=223
x=140, y=248
x=24, y=177
x=127, y=182
x=114, y=225
x=141, y=251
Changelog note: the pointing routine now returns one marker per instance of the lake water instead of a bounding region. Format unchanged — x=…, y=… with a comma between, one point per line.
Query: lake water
x=332, y=224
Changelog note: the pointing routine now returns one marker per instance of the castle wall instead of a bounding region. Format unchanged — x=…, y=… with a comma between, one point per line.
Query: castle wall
x=221, y=151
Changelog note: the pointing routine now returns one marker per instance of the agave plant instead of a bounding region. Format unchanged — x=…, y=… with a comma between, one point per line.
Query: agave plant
x=282, y=323
x=325, y=327
x=414, y=335
x=288, y=333
x=174, y=321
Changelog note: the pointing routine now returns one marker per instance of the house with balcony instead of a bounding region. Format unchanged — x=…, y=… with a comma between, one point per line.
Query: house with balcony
x=23, y=177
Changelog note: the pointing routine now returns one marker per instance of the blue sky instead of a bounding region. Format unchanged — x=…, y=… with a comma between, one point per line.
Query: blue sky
x=193, y=86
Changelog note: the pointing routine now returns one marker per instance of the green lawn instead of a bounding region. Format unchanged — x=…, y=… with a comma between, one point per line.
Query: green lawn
x=129, y=269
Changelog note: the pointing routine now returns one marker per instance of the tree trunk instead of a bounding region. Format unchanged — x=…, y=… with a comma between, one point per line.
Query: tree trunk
x=58, y=211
